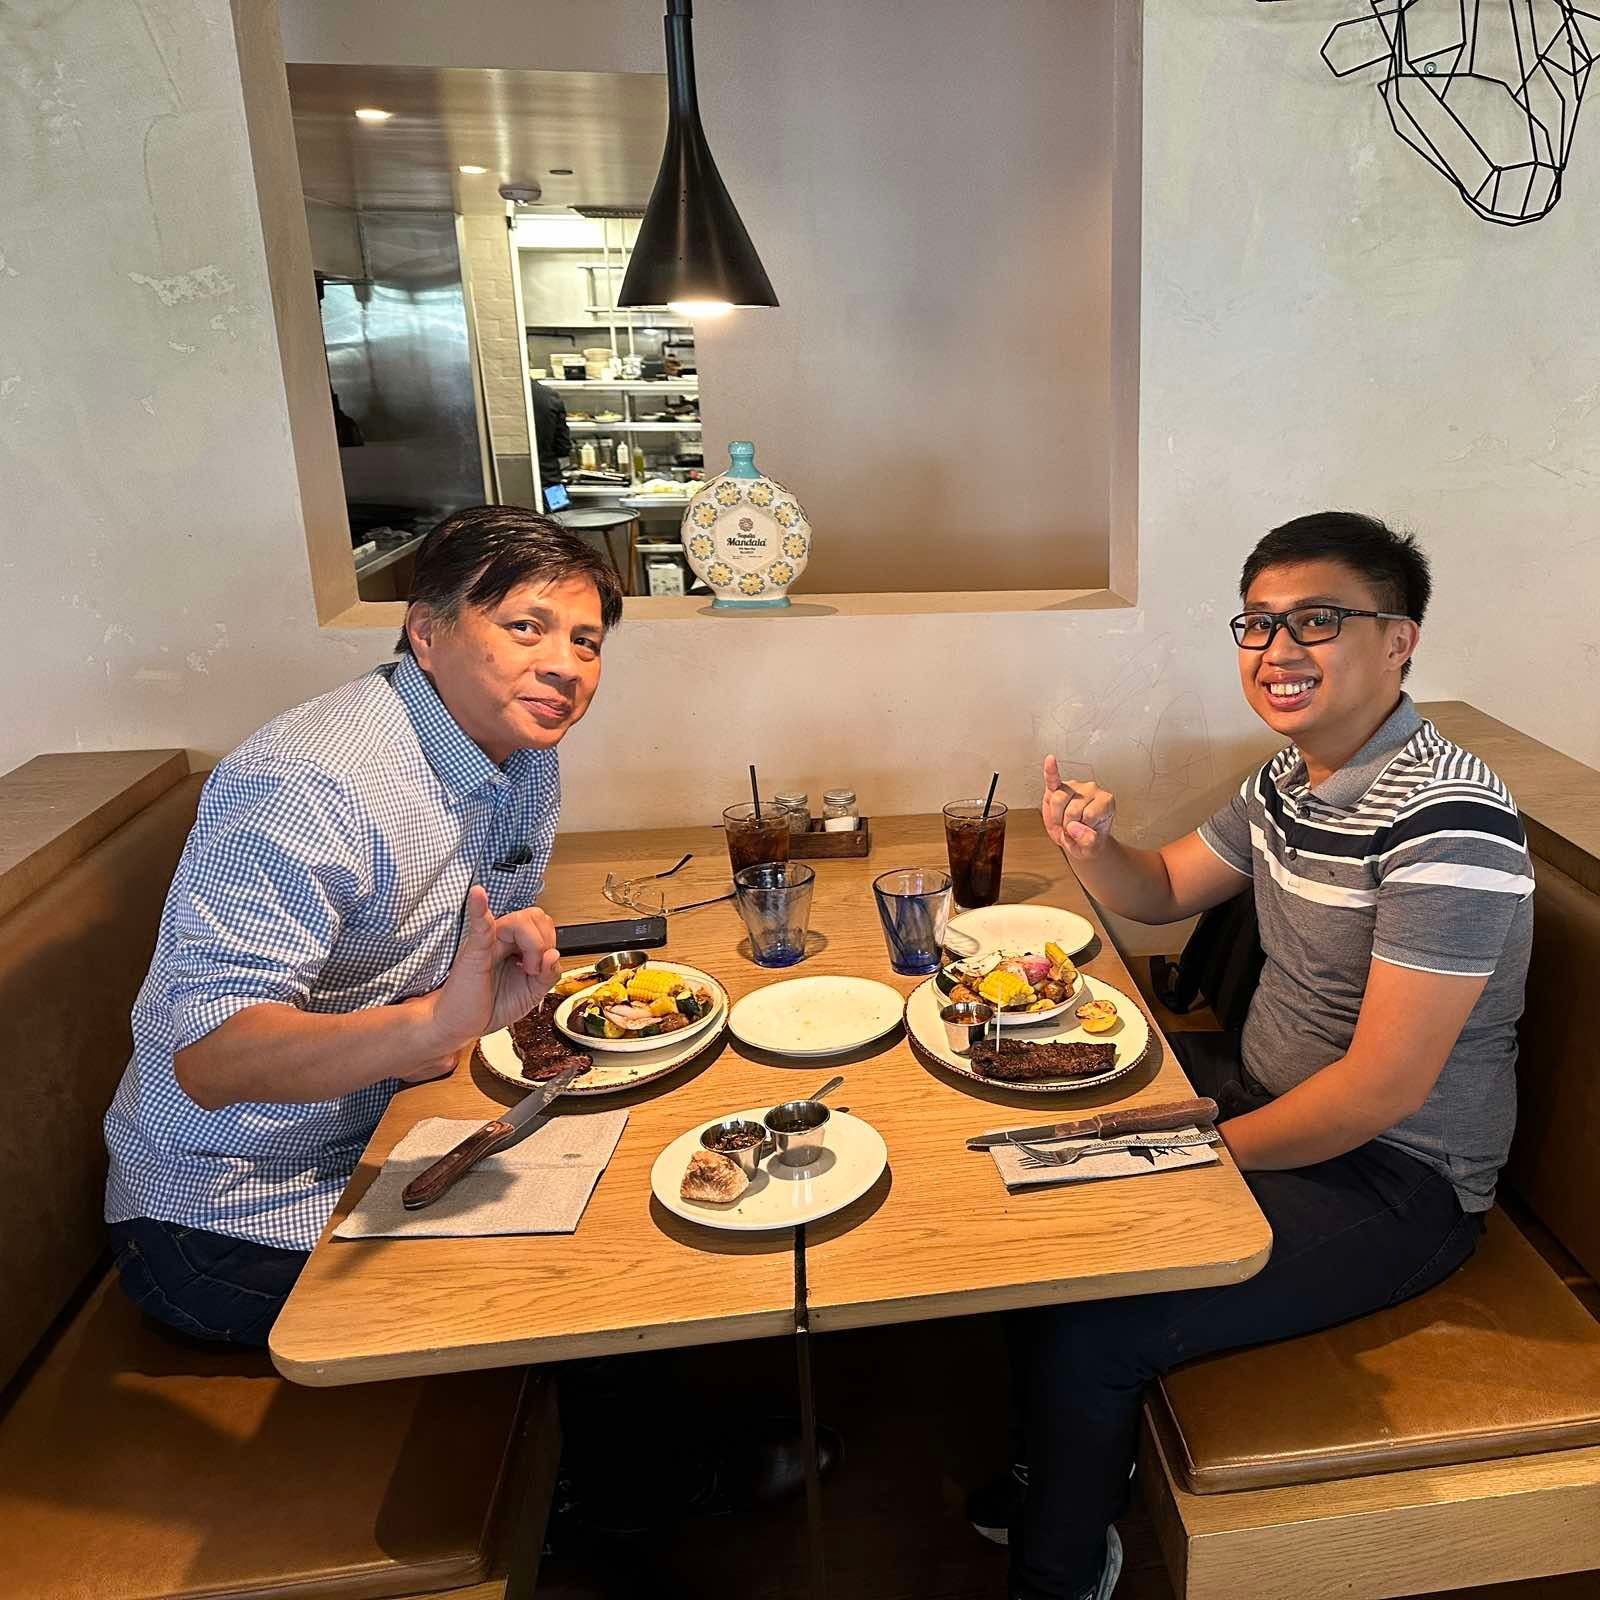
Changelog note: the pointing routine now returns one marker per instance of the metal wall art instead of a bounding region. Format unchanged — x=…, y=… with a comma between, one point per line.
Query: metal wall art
x=1486, y=91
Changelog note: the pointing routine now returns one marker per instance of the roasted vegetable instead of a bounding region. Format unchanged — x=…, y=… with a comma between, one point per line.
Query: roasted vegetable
x=1005, y=989
x=1097, y=1016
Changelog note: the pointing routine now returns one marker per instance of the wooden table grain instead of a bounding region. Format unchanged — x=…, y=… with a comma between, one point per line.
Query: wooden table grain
x=938, y=1235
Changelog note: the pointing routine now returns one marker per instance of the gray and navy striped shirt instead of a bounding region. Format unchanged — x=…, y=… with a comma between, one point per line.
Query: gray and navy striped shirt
x=1412, y=853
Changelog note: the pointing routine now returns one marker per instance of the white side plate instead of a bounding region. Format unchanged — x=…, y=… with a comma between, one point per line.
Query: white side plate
x=822, y=1016
x=1017, y=928
x=778, y=1197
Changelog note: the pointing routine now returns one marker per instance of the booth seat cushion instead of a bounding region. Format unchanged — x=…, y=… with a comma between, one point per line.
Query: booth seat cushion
x=134, y=1466
x=1498, y=1360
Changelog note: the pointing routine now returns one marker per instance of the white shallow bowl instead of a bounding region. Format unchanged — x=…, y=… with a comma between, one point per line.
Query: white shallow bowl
x=693, y=976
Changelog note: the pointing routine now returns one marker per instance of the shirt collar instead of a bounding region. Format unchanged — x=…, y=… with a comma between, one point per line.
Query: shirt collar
x=460, y=763
x=1343, y=788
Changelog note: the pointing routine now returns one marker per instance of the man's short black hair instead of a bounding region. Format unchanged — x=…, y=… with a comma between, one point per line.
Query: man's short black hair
x=476, y=557
x=1391, y=564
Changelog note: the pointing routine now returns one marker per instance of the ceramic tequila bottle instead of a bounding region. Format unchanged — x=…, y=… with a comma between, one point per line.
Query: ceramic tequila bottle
x=746, y=536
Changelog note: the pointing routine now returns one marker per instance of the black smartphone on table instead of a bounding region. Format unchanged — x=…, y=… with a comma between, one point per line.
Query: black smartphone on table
x=600, y=938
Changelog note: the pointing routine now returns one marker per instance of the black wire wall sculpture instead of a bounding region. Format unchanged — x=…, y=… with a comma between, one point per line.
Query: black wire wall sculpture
x=1485, y=91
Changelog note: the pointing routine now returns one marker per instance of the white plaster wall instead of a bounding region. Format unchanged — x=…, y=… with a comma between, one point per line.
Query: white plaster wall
x=153, y=564
x=1323, y=323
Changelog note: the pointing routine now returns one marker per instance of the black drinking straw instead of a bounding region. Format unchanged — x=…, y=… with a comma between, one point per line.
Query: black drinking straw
x=755, y=794
x=988, y=800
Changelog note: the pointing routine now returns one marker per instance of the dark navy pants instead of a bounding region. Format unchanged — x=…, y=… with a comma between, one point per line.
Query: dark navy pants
x=204, y=1284
x=1350, y=1236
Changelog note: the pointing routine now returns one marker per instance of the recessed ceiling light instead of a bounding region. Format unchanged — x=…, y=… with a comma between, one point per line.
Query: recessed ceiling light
x=471, y=171
x=372, y=114
x=561, y=172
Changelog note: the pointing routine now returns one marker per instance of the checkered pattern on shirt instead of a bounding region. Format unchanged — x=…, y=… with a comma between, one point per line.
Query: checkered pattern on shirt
x=327, y=869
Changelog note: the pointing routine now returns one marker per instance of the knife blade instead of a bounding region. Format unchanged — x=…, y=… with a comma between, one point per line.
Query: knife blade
x=434, y=1181
x=1141, y=1119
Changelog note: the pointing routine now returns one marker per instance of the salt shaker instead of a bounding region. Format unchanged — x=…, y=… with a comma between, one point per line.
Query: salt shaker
x=839, y=813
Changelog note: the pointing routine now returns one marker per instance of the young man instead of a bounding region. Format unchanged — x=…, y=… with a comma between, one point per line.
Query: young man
x=354, y=905
x=1371, y=1098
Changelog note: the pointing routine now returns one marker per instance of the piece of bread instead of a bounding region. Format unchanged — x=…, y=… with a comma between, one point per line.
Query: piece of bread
x=713, y=1178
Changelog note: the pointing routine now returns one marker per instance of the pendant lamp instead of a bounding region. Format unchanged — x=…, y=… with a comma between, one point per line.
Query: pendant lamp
x=692, y=253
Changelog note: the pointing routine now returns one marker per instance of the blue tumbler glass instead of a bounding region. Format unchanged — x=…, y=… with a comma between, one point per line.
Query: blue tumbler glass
x=914, y=906
x=774, y=898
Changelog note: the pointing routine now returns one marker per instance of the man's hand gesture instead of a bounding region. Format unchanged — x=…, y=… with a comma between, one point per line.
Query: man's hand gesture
x=1077, y=816
x=504, y=966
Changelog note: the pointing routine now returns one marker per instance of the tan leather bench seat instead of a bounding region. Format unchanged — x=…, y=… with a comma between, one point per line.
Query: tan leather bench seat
x=133, y=1465
x=1499, y=1360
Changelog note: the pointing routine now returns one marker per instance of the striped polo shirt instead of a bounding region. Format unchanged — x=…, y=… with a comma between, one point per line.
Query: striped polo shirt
x=1411, y=853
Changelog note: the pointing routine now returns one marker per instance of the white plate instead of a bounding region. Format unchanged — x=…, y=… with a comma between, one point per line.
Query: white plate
x=815, y=1016
x=1131, y=1036
x=1026, y=1019
x=608, y=1075
x=778, y=1197
x=1019, y=928
x=693, y=976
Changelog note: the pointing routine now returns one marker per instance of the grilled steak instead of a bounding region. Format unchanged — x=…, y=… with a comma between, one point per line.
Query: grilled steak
x=1018, y=1061
x=543, y=1051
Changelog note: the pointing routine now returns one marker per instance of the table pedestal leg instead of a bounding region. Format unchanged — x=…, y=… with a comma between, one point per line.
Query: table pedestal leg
x=808, y=1424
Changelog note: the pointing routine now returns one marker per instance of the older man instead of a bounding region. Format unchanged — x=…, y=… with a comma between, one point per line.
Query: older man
x=354, y=905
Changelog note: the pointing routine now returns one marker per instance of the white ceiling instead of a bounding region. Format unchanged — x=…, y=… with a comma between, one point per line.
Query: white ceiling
x=607, y=126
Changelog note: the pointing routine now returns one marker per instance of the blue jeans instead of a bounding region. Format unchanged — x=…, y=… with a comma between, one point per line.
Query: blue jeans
x=1350, y=1236
x=204, y=1284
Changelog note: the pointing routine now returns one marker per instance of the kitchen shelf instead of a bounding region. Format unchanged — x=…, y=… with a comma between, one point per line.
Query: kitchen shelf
x=671, y=324
x=627, y=385
x=635, y=427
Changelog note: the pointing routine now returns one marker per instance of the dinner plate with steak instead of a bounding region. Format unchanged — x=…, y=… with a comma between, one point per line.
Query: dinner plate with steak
x=1101, y=1036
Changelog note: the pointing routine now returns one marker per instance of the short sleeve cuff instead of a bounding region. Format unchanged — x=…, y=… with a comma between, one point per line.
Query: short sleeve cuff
x=1432, y=961
x=1212, y=840
x=196, y=1014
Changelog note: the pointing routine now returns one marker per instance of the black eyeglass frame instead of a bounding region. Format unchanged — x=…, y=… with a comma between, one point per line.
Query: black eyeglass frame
x=1280, y=619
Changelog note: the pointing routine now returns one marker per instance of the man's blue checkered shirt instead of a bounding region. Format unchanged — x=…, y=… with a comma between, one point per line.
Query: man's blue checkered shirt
x=327, y=869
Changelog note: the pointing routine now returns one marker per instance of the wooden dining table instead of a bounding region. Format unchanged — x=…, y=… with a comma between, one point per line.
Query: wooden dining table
x=937, y=1235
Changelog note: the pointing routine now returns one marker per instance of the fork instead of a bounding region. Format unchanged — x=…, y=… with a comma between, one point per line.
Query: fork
x=1037, y=1156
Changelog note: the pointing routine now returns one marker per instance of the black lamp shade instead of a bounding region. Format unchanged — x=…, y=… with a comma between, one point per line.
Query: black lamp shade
x=691, y=243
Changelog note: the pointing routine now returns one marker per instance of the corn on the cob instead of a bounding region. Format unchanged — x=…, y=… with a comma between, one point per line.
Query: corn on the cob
x=1003, y=988
x=648, y=985
x=609, y=994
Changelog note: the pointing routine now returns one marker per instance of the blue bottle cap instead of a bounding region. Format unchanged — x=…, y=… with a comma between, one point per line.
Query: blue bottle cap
x=742, y=459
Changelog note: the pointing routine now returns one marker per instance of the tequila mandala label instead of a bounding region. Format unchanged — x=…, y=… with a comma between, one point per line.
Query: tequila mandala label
x=746, y=536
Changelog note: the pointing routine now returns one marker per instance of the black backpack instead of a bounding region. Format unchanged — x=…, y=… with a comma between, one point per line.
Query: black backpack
x=1220, y=965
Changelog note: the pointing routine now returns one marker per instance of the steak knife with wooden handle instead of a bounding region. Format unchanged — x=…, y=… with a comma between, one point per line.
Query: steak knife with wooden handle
x=1138, y=1119
x=434, y=1181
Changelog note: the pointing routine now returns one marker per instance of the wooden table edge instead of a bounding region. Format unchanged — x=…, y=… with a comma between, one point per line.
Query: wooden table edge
x=1021, y=1297
x=304, y=1366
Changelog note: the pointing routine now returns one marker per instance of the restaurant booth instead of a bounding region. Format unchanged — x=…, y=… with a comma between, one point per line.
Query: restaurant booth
x=406, y=1442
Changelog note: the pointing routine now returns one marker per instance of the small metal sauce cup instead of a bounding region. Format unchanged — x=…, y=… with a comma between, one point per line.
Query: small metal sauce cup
x=748, y=1160
x=799, y=1129
x=965, y=1023
x=620, y=961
